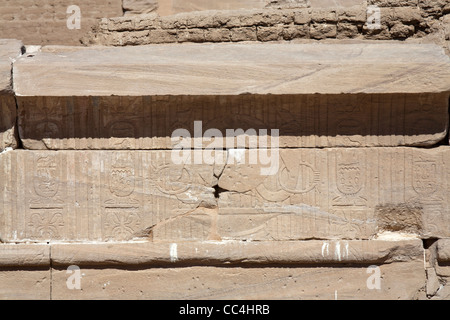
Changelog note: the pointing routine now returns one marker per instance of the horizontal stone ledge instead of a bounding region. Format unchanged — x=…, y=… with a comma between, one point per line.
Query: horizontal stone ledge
x=234, y=69
x=23, y=255
x=443, y=250
x=312, y=252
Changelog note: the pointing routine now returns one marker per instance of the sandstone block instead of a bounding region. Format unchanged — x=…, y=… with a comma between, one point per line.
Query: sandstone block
x=349, y=193
x=107, y=196
x=217, y=35
x=323, y=31
x=19, y=256
x=356, y=193
x=443, y=250
x=302, y=120
x=162, y=36
x=269, y=33
x=302, y=16
x=399, y=281
x=9, y=51
x=312, y=99
x=243, y=34
x=238, y=254
x=190, y=35
x=347, y=30
x=25, y=284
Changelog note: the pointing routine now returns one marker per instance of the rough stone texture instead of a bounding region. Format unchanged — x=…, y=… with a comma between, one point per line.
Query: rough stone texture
x=9, y=51
x=316, y=193
x=399, y=281
x=69, y=110
x=399, y=21
x=45, y=22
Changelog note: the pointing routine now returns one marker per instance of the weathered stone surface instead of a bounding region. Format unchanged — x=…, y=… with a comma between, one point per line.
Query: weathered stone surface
x=302, y=120
x=17, y=256
x=399, y=281
x=355, y=193
x=169, y=7
x=443, y=250
x=133, y=7
x=55, y=111
x=109, y=196
x=238, y=253
x=25, y=284
x=340, y=64
x=45, y=22
x=399, y=21
x=9, y=51
x=350, y=193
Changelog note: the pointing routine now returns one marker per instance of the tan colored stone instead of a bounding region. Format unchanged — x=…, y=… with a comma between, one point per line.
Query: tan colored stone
x=443, y=250
x=323, y=31
x=135, y=122
x=399, y=281
x=46, y=23
x=341, y=193
x=133, y=7
x=9, y=51
x=317, y=193
x=288, y=4
x=108, y=196
x=25, y=284
x=17, y=256
x=169, y=7
x=238, y=253
x=368, y=62
x=110, y=120
x=394, y=3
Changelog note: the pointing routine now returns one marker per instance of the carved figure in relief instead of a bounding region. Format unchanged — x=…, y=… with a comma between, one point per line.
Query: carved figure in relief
x=122, y=175
x=46, y=177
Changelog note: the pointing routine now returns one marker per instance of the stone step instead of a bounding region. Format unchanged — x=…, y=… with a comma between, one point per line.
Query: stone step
x=136, y=97
x=355, y=193
x=214, y=270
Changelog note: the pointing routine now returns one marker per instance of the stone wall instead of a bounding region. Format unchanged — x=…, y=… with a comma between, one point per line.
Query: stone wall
x=89, y=176
x=41, y=24
x=333, y=184
x=397, y=23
